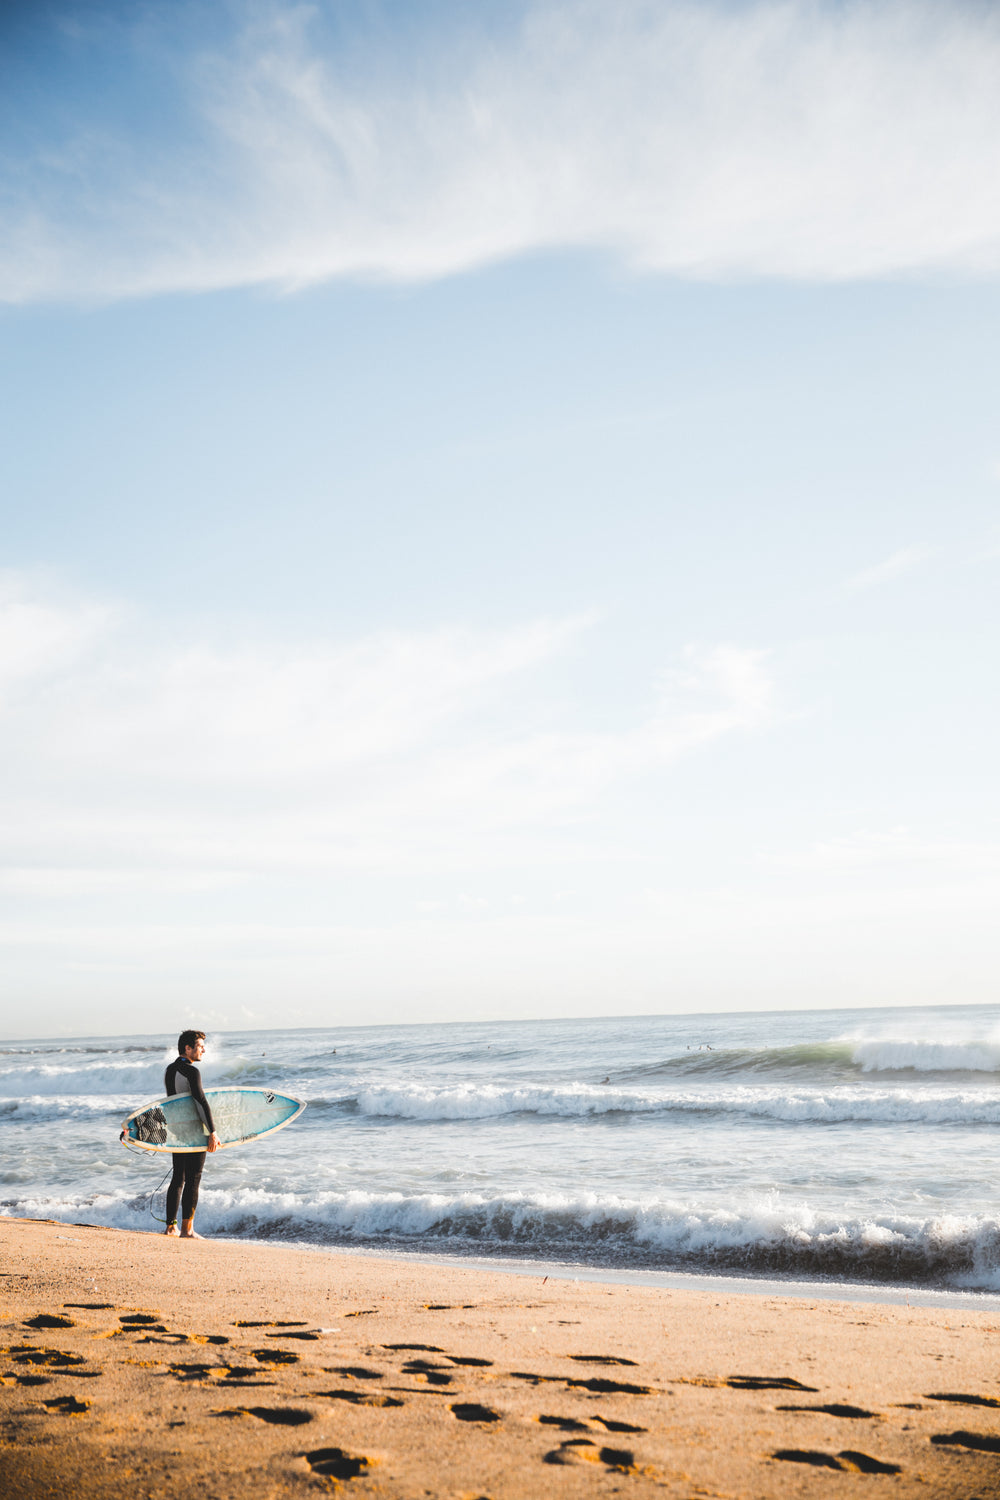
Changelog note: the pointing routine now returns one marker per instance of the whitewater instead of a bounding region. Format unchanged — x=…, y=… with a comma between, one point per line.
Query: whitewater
x=831, y=1145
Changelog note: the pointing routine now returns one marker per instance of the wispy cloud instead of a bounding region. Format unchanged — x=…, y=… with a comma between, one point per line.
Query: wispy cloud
x=41, y=633
x=773, y=138
x=399, y=751
x=902, y=848
x=894, y=566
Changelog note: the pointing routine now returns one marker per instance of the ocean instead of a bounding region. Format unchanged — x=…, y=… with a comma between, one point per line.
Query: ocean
x=856, y=1145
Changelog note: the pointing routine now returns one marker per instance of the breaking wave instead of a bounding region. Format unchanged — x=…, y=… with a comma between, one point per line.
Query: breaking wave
x=429, y=1103
x=908, y=1055
x=832, y=1106
x=763, y=1237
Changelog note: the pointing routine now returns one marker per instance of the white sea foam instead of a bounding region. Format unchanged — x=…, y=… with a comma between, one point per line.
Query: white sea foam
x=125, y=1076
x=105, y=1075
x=504, y=1140
x=38, y=1109
x=751, y=1236
x=925, y=1055
x=833, y=1105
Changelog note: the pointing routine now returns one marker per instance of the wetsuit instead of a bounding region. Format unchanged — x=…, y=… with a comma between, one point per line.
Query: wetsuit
x=182, y=1077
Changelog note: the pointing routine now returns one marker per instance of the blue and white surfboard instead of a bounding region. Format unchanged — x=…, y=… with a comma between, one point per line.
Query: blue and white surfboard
x=240, y=1115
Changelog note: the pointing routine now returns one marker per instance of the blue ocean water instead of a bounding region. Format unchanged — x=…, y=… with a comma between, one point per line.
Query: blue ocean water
x=822, y=1144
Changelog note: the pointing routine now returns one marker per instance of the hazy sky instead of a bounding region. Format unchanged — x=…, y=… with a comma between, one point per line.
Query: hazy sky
x=499, y=509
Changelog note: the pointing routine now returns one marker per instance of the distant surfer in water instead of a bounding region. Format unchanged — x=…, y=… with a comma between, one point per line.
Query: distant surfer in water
x=182, y=1077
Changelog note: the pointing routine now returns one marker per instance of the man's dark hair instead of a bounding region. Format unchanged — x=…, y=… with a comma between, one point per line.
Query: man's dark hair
x=188, y=1039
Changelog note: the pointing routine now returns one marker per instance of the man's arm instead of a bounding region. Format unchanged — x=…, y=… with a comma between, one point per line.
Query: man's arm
x=193, y=1077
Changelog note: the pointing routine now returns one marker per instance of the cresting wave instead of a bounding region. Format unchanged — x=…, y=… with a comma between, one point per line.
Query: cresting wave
x=818, y=1106
x=107, y=1076
x=130, y=1068
x=902, y=1055
x=110, y=1074
x=758, y=1238
x=38, y=1110
x=840, y=1056
x=844, y=1145
x=416, y=1102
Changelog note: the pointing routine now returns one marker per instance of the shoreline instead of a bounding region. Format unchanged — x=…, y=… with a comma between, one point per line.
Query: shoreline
x=230, y=1365
x=742, y=1283
x=733, y=1283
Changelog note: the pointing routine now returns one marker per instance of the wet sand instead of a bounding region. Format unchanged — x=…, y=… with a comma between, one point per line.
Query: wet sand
x=135, y=1365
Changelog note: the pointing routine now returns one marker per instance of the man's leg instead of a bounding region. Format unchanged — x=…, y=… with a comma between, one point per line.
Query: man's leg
x=194, y=1163
x=174, y=1191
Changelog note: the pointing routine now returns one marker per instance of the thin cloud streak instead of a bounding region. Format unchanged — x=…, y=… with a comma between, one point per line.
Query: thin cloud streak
x=775, y=139
x=959, y=859
x=396, y=752
x=894, y=566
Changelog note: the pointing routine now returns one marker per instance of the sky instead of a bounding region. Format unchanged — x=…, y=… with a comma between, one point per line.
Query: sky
x=499, y=510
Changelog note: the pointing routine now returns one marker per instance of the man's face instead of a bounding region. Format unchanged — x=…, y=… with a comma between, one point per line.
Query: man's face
x=195, y=1053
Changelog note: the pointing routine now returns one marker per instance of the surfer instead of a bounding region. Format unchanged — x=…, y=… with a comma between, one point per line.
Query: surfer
x=183, y=1077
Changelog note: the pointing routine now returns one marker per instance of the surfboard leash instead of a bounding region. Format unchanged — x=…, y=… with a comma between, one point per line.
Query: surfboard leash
x=136, y=1151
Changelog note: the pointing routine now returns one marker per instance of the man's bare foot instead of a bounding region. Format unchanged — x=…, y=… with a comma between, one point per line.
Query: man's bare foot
x=173, y=1230
x=187, y=1231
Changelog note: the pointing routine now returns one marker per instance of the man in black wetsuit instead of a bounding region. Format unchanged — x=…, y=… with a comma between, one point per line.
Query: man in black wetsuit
x=182, y=1077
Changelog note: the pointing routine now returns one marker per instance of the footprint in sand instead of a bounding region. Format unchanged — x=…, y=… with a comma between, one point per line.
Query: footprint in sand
x=611, y=1426
x=603, y=1359
x=244, y=1375
x=160, y=1335
x=336, y=1463
x=27, y=1354
x=422, y=1369
x=275, y=1356
x=565, y=1424
x=597, y=1385
x=767, y=1383
x=601, y=1387
x=49, y=1320
x=265, y=1323
x=582, y=1451
x=353, y=1372
x=981, y=1442
x=358, y=1398
x=67, y=1406
x=281, y=1416
x=574, y=1424
x=471, y=1411
x=416, y=1348
x=847, y=1460
x=834, y=1410
x=963, y=1400
x=197, y=1371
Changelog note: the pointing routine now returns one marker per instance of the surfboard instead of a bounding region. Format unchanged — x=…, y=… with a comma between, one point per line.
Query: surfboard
x=240, y=1115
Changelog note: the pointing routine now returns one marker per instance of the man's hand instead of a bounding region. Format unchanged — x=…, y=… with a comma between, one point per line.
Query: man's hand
x=213, y=1141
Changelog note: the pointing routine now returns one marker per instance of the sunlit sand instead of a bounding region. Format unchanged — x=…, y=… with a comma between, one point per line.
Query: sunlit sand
x=132, y=1362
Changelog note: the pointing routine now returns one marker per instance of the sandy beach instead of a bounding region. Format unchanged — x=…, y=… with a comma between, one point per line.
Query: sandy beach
x=136, y=1364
